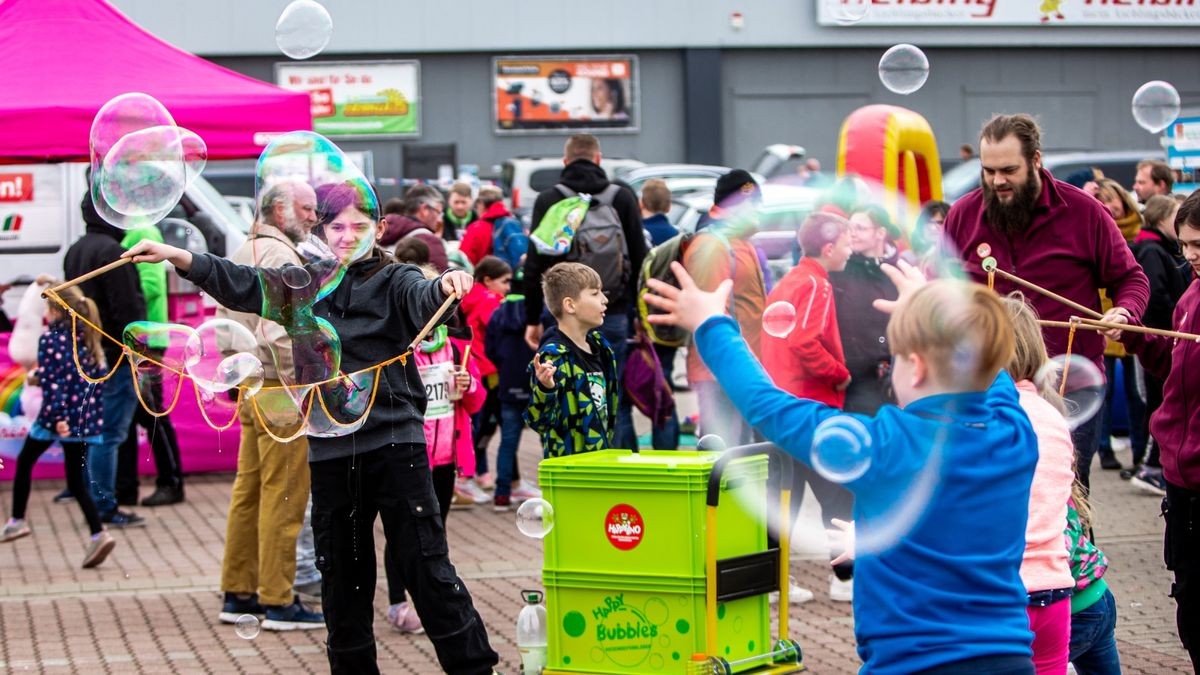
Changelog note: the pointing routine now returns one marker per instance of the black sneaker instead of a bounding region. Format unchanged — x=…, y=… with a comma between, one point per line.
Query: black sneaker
x=292, y=617
x=64, y=497
x=164, y=496
x=1126, y=474
x=1149, y=479
x=1109, y=461
x=122, y=519
x=235, y=607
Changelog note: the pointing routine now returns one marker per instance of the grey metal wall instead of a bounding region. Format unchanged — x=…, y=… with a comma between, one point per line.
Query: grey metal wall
x=456, y=107
x=1081, y=95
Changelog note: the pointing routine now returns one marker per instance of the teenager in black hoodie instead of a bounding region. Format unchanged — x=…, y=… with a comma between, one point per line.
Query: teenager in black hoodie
x=376, y=307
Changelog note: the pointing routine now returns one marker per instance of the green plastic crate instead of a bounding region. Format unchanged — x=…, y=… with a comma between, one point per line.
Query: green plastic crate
x=627, y=623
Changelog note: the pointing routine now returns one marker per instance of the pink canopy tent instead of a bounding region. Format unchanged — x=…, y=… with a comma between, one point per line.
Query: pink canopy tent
x=63, y=59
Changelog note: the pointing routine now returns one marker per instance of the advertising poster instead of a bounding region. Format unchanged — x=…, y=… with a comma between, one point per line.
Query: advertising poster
x=359, y=98
x=565, y=94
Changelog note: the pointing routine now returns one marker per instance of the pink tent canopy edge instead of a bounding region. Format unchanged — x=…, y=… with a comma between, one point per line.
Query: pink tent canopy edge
x=65, y=58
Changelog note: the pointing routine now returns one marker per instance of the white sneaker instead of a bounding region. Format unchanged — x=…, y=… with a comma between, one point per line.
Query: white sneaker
x=525, y=491
x=841, y=591
x=796, y=595
x=471, y=489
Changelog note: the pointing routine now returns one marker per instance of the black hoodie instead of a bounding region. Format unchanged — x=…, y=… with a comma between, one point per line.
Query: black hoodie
x=117, y=294
x=588, y=178
x=376, y=312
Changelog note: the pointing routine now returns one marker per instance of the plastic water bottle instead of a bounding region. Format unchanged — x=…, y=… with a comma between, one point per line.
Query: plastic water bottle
x=531, y=633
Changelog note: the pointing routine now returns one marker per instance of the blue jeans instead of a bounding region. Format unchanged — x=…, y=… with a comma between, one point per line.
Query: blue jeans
x=616, y=330
x=119, y=400
x=511, y=426
x=1093, y=645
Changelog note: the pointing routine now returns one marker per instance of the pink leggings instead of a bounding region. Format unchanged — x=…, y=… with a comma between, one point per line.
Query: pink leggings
x=1051, y=628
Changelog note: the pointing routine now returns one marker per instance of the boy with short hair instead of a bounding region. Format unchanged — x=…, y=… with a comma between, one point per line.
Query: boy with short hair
x=574, y=373
x=937, y=588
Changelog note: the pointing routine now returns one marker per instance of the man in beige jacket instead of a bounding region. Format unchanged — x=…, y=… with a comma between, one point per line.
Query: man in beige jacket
x=271, y=489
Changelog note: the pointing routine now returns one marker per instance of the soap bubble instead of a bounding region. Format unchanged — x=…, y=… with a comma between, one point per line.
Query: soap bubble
x=207, y=350
x=1078, y=381
x=141, y=161
x=842, y=449
x=848, y=12
x=535, y=518
x=1155, y=105
x=342, y=405
x=155, y=350
x=903, y=69
x=303, y=29
x=247, y=626
x=710, y=443
x=242, y=369
x=295, y=277
x=779, y=319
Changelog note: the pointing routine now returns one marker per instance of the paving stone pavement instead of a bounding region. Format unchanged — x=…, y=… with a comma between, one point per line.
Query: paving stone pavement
x=151, y=608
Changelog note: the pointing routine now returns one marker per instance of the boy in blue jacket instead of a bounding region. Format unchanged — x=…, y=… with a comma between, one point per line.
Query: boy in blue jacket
x=574, y=374
x=937, y=589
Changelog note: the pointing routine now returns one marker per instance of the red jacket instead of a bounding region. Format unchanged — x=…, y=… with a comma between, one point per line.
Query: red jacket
x=1072, y=247
x=1176, y=424
x=477, y=240
x=808, y=362
x=478, y=306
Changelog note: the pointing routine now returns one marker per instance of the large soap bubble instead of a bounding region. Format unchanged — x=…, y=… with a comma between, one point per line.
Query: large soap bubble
x=1078, y=381
x=1155, y=105
x=141, y=161
x=535, y=518
x=303, y=29
x=842, y=449
x=778, y=319
x=903, y=69
x=219, y=355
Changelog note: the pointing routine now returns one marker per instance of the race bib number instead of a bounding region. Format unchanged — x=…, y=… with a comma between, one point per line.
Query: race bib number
x=437, y=377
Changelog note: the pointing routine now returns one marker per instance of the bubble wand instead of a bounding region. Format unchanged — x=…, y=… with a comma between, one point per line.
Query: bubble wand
x=989, y=265
x=85, y=277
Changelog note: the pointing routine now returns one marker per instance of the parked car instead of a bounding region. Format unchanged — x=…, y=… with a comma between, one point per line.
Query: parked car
x=522, y=178
x=1120, y=165
x=779, y=159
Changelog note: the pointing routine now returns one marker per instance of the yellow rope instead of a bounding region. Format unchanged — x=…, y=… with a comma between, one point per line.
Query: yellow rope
x=303, y=428
x=992, y=280
x=137, y=388
x=367, y=411
x=204, y=413
x=1062, y=387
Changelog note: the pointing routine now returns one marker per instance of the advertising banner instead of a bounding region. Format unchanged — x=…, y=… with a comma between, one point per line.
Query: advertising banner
x=1115, y=13
x=359, y=98
x=565, y=94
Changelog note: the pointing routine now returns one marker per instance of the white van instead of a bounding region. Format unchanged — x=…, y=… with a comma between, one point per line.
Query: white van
x=40, y=219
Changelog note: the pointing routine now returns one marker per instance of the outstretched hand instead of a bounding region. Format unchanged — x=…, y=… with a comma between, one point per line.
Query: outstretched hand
x=906, y=278
x=686, y=306
x=457, y=283
x=146, y=251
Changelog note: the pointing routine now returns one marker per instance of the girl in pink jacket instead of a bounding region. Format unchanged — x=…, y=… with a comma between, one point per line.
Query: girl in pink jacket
x=454, y=392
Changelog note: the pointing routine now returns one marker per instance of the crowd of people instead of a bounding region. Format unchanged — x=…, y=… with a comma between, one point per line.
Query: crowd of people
x=1007, y=579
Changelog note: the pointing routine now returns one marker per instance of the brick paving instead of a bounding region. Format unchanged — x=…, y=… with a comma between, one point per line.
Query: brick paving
x=151, y=608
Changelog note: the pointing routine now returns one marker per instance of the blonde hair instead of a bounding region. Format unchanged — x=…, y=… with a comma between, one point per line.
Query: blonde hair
x=568, y=280
x=85, y=307
x=960, y=328
x=1029, y=353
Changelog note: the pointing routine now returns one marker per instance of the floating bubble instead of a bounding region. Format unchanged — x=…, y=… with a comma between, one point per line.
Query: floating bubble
x=535, y=518
x=1078, y=381
x=141, y=161
x=848, y=12
x=242, y=369
x=247, y=626
x=295, y=277
x=303, y=29
x=842, y=449
x=1155, y=105
x=342, y=405
x=903, y=69
x=710, y=443
x=208, y=348
x=779, y=319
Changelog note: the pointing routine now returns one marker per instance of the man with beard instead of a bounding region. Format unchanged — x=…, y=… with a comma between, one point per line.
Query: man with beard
x=270, y=490
x=1051, y=234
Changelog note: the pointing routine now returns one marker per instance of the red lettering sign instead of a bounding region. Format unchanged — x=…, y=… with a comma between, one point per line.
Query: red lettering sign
x=624, y=527
x=16, y=187
x=322, y=102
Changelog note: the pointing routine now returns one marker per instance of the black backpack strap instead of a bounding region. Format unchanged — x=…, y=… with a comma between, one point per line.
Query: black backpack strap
x=566, y=191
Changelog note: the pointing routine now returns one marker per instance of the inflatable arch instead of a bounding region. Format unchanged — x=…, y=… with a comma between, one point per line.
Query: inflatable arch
x=894, y=147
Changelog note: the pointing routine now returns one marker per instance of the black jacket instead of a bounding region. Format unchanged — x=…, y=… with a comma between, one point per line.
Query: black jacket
x=1168, y=273
x=505, y=346
x=864, y=331
x=376, y=316
x=588, y=178
x=117, y=294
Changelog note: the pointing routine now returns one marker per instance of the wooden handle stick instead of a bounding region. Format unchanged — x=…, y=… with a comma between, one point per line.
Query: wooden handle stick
x=90, y=275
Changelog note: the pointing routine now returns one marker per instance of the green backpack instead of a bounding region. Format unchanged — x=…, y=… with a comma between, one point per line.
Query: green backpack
x=657, y=265
x=556, y=231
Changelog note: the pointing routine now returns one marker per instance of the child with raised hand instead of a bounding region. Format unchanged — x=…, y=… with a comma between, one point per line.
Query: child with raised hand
x=377, y=307
x=573, y=406
x=71, y=414
x=1046, y=569
x=946, y=596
